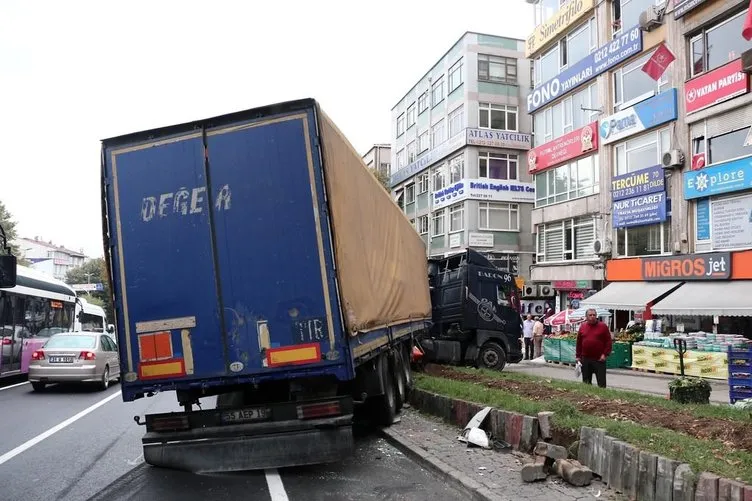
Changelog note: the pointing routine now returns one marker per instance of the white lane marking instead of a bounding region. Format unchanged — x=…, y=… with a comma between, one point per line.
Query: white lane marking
x=14, y=385
x=276, y=488
x=34, y=441
x=137, y=461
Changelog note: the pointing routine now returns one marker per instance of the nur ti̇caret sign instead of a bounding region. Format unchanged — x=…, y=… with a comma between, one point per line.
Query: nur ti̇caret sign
x=638, y=118
x=710, y=266
x=555, y=25
x=586, y=69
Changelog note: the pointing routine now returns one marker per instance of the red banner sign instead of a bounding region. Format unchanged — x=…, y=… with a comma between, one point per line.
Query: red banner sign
x=714, y=87
x=569, y=146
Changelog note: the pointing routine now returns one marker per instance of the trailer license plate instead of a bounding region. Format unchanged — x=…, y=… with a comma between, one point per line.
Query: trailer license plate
x=236, y=416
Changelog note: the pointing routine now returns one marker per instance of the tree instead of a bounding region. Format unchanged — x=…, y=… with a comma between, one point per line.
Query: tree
x=6, y=221
x=94, y=272
x=382, y=177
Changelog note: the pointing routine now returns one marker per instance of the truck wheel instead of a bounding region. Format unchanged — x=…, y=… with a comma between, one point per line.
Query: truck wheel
x=387, y=403
x=407, y=368
x=399, y=379
x=492, y=356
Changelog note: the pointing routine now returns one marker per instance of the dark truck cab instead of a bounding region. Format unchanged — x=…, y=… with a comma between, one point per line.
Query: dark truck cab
x=476, y=318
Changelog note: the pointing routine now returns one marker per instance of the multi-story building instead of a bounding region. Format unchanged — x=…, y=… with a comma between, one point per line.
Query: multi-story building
x=379, y=158
x=52, y=259
x=642, y=181
x=460, y=137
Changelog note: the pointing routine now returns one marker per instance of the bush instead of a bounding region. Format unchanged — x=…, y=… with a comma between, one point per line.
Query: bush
x=689, y=390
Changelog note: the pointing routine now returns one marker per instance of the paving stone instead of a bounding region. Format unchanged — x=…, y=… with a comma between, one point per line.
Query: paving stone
x=585, y=453
x=616, y=465
x=544, y=425
x=533, y=472
x=513, y=422
x=550, y=450
x=664, y=479
x=529, y=435
x=630, y=471
x=685, y=481
x=730, y=490
x=647, y=470
x=707, y=487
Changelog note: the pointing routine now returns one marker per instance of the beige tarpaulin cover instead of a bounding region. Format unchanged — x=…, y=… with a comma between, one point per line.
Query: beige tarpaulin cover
x=381, y=260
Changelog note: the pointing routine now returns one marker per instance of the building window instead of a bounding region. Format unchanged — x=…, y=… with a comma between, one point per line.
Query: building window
x=728, y=146
x=438, y=222
x=455, y=76
x=423, y=183
x=457, y=218
x=626, y=13
x=571, y=113
x=412, y=152
x=456, y=121
x=424, y=142
x=439, y=178
x=498, y=216
x=411, y=115
x=457, y=168
x=632, y=85
x=401, y=158
x=568, y=240
x=400, y=125
x=410, y=193
x=386, y=167
x=567, y=182
x=642, y=151
x=647, y=240
x=497, y=165
x=497, y=116
x=719, y=44
x=437, y=92
x=423, y=102
x=423, y=225
x=438, y=131
x=497, y=69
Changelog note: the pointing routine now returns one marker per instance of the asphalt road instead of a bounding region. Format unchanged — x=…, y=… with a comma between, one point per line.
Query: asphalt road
x=78, y=444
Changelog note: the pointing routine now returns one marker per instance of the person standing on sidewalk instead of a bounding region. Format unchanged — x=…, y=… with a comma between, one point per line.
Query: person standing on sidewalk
x=527, y=334
x=538, y=337
x=593, y=348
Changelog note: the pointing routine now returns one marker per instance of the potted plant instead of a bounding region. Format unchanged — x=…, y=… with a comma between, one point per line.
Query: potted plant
x=689, y=390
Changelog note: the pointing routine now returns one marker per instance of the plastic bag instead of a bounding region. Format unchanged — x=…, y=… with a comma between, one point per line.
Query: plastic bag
x=578, y=370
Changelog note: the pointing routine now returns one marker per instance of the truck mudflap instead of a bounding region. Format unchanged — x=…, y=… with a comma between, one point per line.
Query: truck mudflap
x=252, y=437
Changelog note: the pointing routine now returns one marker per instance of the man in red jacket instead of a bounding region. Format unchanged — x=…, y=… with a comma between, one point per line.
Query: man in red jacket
x=593, y=347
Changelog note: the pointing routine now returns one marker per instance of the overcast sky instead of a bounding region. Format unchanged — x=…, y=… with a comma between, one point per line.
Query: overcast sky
x=73, y=72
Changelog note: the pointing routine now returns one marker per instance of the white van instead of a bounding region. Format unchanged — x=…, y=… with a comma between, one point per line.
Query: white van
x=90, y=317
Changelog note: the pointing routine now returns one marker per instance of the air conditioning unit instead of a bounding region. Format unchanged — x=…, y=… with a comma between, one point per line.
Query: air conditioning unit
x=529, y=291
x=651, y=18
x=602, y=247
x=673, y=159
x=545, y=291
x=747, y=61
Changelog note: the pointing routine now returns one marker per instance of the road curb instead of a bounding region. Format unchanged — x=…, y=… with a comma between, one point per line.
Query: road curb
x=429, y=461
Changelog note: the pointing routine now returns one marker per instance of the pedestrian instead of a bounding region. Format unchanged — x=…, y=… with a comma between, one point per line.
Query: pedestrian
x=527, y=334
x=538, y=337
x=593, y=348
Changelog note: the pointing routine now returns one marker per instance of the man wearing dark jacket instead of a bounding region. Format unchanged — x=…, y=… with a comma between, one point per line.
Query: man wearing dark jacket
x=593, y=347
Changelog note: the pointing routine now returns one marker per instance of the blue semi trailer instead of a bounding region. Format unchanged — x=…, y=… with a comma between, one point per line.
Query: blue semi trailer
x=253, y=258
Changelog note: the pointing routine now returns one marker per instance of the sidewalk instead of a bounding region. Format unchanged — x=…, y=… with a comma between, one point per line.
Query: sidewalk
x=489, y=475
x=625, y=379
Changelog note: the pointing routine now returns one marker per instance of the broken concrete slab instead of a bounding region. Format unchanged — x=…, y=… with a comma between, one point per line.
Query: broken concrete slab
x=573, y=472
x=685, y=481
x=664, y=479
x=550, y=450
x=647, y=470
x=616, y=464
x=533, y=472
x=544, y=425
x=707, y=487
x=529, y=435
x=513, y=429
x=585, y=453
x=730, y=490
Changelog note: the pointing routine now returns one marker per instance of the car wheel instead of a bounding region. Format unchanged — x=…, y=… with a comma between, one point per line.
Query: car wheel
x=105, y=383
x=492, y=356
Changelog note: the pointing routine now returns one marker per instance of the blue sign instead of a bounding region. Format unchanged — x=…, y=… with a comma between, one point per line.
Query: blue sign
x=430, y=157
x=639, y=211
x=703, y=219
x=602, y=59
x=643, y=116
x=640, y=182
x=734, y=175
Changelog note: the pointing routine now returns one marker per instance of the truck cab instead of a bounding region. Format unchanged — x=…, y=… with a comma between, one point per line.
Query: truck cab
x=475, y=313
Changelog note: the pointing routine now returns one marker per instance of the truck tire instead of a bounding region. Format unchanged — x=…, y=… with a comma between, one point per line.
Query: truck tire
x=399, y=378
x=407, y=368
x=492, y=356
x=387, y=403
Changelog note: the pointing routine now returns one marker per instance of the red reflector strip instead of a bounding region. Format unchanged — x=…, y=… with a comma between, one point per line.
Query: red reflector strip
x=310, y=411
x=170, y=423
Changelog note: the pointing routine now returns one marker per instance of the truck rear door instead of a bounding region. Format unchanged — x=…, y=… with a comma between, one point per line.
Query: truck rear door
x=221, y=238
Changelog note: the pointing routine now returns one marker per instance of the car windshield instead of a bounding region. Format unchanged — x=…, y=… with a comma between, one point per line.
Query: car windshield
x=83, y=342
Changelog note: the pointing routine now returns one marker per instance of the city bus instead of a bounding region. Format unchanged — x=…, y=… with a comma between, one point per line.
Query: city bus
x=32, y=311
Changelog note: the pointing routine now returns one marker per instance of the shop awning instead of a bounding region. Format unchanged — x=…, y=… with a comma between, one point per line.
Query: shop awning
x=629, y=295
x=728, y=299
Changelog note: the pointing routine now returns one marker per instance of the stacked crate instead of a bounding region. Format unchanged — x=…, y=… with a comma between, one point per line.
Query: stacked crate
x=740, y=373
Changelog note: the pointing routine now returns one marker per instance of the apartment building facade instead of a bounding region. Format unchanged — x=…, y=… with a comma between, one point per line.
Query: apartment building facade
x=49, y=258
x=379, y=158
x=460, y=138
